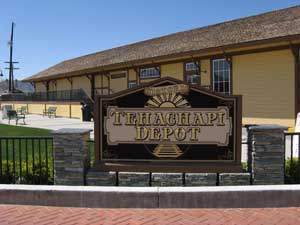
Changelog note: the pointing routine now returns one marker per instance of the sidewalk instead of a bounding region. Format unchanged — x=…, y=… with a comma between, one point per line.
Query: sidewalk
x=39, y=121
x=17, y=214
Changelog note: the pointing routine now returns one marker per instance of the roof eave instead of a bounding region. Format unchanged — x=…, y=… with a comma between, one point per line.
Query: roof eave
x=223, y=48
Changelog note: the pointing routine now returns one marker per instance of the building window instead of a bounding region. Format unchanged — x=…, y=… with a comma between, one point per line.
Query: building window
x=193, y=79
x=221, y=76
x=132, y=84
x=192, y=73
x=191, y=66
x=150, y=72
x=118, y=75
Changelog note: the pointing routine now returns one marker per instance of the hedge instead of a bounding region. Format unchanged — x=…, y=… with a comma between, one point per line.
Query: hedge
x=292, y=171
x=36, y=174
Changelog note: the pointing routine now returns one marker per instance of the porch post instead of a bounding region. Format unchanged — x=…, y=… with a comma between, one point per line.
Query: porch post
x=71, y=87
x=47, y=89
x=92, y=84
x=297, y=81
x=93, y=87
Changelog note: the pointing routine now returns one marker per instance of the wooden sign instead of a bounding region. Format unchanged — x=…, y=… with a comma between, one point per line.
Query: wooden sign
x=168, y=125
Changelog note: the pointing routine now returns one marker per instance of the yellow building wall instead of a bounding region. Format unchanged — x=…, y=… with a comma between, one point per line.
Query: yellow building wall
x=72, y=110
x=101, y=83
x=15, y=106
x=19, y=105
x=105, y=81
x=76, y=111
x=62, y=85
x=205, y=76
x=174, y=70
x=118, y=84
x=131, y=74
x=62, y=110
x=82, y=82
x=98, y=81
x=266, y=81
x=40, y=87
x=52, y=86
x=36, y=108
x=143, y=81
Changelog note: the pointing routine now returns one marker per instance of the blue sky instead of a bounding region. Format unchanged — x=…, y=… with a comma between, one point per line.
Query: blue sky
x=48, y=32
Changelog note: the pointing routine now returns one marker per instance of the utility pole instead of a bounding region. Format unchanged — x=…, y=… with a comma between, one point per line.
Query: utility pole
x=11, y=63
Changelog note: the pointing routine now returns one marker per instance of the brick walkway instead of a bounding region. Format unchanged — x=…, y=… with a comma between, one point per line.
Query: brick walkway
x=11, y=214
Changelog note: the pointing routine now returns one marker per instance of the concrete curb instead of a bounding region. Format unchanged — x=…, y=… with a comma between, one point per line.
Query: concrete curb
x=153, y=197
x=230, y=197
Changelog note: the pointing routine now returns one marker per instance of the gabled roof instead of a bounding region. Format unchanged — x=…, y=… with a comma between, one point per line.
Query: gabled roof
x=271, y=25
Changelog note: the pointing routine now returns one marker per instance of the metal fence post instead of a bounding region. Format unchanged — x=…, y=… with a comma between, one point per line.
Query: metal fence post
x=249, y=154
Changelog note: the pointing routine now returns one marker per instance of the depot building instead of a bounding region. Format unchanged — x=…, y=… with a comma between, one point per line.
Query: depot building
x=256, y=57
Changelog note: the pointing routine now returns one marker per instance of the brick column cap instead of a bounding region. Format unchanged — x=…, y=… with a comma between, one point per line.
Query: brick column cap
x=80, y=131
x=264, y=127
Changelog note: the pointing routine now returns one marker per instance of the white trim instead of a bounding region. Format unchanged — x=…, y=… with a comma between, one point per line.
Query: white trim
x=194, y=65
x=148, y=72
x=223, y=70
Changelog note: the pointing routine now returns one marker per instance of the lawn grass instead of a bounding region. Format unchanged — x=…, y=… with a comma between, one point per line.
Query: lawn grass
x=18, y=131
x=25, y=151
x=24, y=142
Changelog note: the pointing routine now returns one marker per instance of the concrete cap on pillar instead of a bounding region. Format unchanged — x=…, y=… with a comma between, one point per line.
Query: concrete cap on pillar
x=263, y=127
x=72, y=131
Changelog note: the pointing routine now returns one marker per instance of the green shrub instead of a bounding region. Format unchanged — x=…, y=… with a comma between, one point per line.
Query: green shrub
x=291, y=171
x=36, y=174
x=91, y=146
x=244, y=166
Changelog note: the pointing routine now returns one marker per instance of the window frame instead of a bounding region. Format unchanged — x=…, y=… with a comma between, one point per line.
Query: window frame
x=187, y=73
x=157, y=68
x=229, y=61
x=191, y=75
x=131, y=81
x=190, y=62
x=120, y=75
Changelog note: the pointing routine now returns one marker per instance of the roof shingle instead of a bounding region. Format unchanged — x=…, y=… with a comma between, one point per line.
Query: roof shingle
x=269, y=25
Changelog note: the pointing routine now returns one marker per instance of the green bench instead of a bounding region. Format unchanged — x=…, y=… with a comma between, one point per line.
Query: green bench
x=51, y=111
x=13, y=115
x=22, y=110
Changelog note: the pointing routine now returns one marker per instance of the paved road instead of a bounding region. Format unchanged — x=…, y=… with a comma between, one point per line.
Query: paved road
x=16, y=214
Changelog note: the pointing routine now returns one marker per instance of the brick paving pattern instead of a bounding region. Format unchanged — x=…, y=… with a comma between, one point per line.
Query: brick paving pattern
x=16, y=214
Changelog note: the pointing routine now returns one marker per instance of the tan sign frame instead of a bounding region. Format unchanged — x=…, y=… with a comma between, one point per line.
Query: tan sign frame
x=217, y=166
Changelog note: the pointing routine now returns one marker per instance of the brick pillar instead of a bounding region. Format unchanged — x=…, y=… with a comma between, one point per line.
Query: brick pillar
x=71, y=156
x=267, y=146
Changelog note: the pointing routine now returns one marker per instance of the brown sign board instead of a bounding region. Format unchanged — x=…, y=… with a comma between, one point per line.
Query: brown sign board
x=168, y=126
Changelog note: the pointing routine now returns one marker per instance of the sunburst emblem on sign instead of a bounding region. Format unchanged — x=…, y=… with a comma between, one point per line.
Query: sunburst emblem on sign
x=171, y=100
x=167, y=97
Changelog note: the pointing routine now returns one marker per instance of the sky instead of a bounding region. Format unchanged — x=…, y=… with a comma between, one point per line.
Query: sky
x=48, y=32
